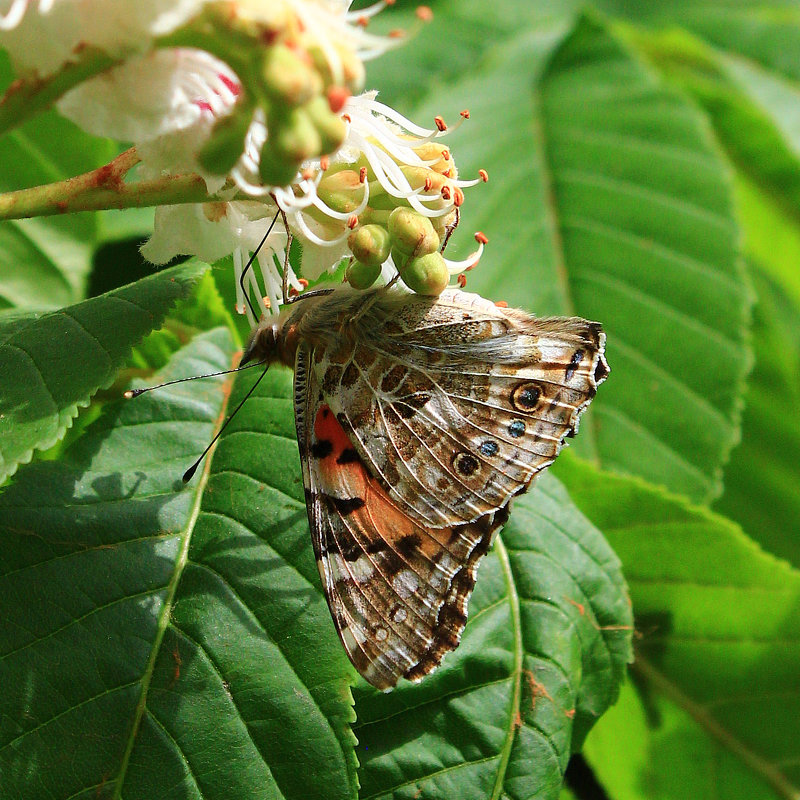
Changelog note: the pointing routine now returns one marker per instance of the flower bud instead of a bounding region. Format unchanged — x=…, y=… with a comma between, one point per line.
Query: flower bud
x=362, y=276
x=352, y=69
x=412, y=233
x=342, y=191
x=426, y=275
x=370, y=244
x=288, y=78
x=330, y=127
x=220, y=153
x=434, y=153
x=275, y=169
x=294, y=137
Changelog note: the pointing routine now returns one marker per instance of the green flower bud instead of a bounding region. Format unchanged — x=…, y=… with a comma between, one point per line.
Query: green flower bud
x=275, y=169
x=330, y=127
x=362, y=276
x=426, y=275
x=294, y=137
x=224, y=148
x=370, y=244
x=412, y=233
x=351, y=66
x=288, y=78
x=341, y=190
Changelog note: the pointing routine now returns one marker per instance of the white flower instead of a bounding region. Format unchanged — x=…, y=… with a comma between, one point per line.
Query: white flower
x=390, y=145
x=187, y=106
x=166, y=101
x=212, y=231
x=41, y=36
x=385, y=149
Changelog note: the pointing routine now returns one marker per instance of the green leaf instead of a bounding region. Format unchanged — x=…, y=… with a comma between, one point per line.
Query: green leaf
x=608, y=199
x=53, y=363
x=541, y=658
x=649, y=748
x=771, y=236
x=718, y=623
x=754, y=109
x=762, y=479
x=170, y=641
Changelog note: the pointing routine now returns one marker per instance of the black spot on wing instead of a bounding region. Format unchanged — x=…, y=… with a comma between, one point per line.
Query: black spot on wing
x=377, y=546
x=322, y=448
x=349, y=456
x=576, y=359
x=409, y=544
x=346, y=505
x=601, y=370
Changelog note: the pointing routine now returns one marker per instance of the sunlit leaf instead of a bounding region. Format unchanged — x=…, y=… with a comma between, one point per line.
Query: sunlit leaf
x=719, y=635
x=607, y=198
x=51, y=364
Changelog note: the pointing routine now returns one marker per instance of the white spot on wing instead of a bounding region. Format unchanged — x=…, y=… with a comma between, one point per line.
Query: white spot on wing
x=405, y=583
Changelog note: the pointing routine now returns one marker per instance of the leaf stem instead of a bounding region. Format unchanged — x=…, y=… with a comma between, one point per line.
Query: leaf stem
x=102, y=188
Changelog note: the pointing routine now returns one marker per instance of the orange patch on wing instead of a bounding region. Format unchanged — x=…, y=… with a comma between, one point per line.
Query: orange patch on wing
x=346, y=477
x=340, y=470
x=327, y=428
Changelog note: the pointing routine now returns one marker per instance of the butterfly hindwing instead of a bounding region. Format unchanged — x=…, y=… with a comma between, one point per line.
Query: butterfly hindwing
x=397, y=590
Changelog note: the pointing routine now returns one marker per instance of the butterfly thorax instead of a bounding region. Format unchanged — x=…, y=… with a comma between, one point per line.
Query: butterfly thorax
x=331, y=322
x=276, y=338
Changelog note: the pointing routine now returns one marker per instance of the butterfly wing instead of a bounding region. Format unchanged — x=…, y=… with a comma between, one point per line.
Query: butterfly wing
x=455, y=405
x=396, y=589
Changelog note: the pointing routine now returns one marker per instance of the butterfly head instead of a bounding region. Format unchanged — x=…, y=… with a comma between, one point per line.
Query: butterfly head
x=264, y=344
x=275, y=339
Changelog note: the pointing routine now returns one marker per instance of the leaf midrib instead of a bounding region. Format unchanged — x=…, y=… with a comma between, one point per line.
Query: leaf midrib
x=553, y=225
x=513, y=602
x=166, y=611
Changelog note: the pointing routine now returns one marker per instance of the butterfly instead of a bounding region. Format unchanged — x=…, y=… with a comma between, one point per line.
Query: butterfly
x=418, y=419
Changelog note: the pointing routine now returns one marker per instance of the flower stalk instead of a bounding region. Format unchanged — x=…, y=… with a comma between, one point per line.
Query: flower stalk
x=100, y=189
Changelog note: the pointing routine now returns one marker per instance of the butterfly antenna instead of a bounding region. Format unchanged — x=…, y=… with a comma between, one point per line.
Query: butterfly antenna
x=286, y=257
x=250, y=263
x=131, y=393
x=187, y=476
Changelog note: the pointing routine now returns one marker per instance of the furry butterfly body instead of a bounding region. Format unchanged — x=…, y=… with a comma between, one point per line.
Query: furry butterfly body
x=418, y=419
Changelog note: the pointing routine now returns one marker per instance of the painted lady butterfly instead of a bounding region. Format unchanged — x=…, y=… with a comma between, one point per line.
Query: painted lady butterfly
x=418, y=419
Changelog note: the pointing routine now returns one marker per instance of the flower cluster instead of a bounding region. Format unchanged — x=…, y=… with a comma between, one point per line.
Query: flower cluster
x=259, y=97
